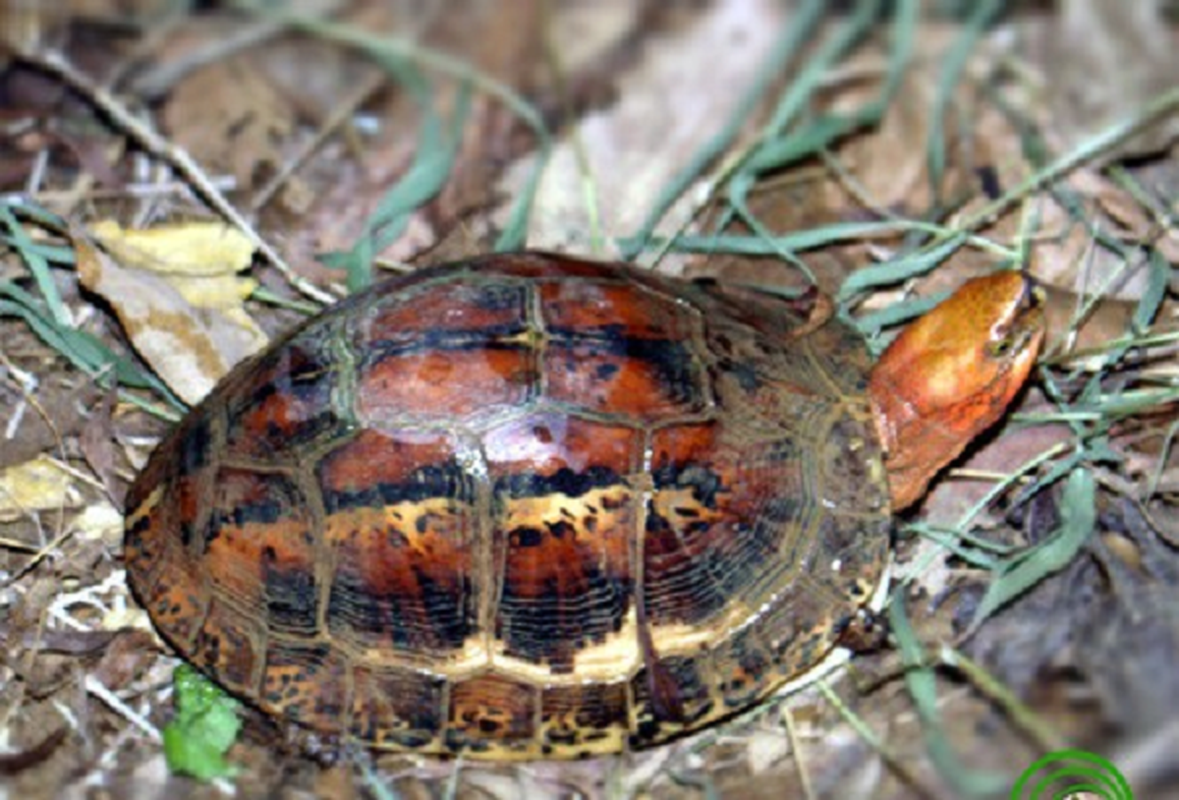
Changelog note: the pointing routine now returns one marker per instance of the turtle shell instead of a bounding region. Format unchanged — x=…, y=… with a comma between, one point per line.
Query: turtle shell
x=521, y=506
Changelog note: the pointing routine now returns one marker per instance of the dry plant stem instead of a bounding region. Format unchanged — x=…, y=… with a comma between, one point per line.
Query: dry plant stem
x=339, y=115
x=180, y=160
x=135, y=191
x=1045, y=736
x=804, y=775
x=899, y=769
x=55, y=544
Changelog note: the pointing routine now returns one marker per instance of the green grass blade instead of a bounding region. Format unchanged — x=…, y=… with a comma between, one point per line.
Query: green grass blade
x=921, y=683
x=1158, y=279
x=38, y=266
x=976, y=26
x=431, y=167
x=897, y=270
x=1078, y=511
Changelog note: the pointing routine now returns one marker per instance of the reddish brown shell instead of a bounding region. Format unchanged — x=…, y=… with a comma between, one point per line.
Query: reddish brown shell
x=520, y=506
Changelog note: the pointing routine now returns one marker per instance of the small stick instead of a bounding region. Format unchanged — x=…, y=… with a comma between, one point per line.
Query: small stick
x=338, y=116
x=178, y=158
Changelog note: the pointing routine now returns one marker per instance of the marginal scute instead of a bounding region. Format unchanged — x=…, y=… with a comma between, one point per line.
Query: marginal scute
x=179, y=598
x=491, y=708
x=592, y=715
x=230, y=643
x=397, y=706
x=689, y=685
x=524, y=506
x=307, y=682
x=743, y=667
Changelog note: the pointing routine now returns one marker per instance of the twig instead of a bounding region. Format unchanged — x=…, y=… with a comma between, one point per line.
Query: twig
x=178, y=158
x=341, y=113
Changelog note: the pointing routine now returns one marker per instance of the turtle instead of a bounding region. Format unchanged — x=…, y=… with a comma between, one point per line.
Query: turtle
x=531, y=506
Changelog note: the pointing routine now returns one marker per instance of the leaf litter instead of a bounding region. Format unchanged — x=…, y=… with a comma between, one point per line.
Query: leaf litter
x=893, y=156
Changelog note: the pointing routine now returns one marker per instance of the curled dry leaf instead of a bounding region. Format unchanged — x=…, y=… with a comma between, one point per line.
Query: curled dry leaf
x=36, y=485
x=127, y=656
x=12, y=763
x=177, y=294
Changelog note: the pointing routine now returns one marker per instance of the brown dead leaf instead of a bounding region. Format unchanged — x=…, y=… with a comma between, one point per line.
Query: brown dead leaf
x=37, y=422
x=959, y=490
x=231, y=119
x=1063, y=253
x=890, y=164
x=176, y=292
x=98, y=444
x=1109, y=319
x=127, y=655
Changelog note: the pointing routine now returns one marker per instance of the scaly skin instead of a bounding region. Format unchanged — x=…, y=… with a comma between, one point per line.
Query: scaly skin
x=952, y=374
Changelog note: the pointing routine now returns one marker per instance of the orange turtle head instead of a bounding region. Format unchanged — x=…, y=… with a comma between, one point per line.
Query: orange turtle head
x=951, y=374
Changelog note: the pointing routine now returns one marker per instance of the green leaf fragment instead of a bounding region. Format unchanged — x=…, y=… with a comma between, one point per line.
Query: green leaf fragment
x=204, y=728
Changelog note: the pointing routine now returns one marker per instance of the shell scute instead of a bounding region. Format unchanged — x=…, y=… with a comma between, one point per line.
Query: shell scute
x=231, y=644
x=743, y=667
x=285, y=404
x=594, y=716
x=687, y=687
x=259, y=550
x=178, y=599
x=564, y=510
x=399, y=529
x=491, y=708
x=308, y=682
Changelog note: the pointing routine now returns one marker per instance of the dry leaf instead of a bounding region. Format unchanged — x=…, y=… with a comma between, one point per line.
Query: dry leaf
x=37, y=485
x=178, y=297
x=1138, y=224
x=192, y=248
x=100, y=520
x=672, y=103
x=230, y=118
x=1103, y=61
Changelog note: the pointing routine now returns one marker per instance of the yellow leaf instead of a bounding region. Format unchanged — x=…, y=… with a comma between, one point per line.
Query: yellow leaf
x=190, y=248
x=36, y=485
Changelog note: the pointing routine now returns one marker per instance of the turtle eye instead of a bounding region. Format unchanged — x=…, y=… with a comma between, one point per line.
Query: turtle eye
x=1001, y=348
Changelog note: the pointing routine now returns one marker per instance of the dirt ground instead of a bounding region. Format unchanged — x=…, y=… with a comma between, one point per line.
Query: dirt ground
x=179, y=183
